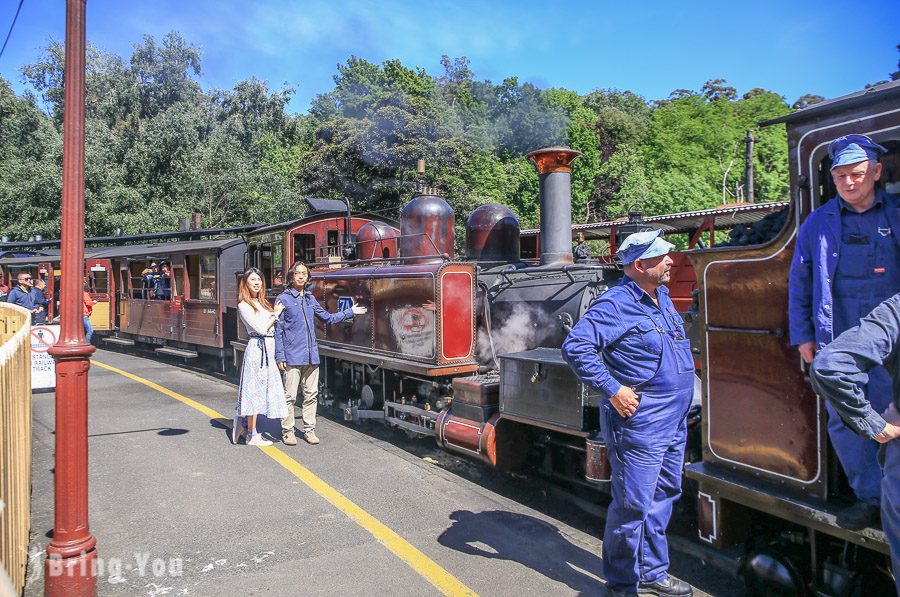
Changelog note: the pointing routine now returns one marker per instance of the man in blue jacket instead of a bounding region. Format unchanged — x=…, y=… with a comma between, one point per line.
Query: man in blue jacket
x=40, y=301
x=846, y=262
x=21, y=294
x=842, y=371
x=631, y=347
x=297, y=353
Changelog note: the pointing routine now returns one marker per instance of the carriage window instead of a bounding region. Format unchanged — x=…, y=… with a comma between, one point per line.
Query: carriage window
x=304, y=248
x=334, y=250
x=99, y=281
x=141, y=279
x=202, y=277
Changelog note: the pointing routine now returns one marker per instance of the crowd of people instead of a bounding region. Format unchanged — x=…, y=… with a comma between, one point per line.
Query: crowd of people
x=31, y=293
x=156, y=281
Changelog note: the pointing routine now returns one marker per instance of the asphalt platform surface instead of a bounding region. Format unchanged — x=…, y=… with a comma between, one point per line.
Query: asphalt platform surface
x=178, y=510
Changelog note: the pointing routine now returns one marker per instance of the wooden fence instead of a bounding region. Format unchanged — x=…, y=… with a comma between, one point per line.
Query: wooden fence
x=15, y=441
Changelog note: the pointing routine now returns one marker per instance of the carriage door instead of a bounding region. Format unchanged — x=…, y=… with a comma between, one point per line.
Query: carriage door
x=176, y=287
x=122, y=296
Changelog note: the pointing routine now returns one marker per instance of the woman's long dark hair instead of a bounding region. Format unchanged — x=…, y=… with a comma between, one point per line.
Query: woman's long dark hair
x=245, y=295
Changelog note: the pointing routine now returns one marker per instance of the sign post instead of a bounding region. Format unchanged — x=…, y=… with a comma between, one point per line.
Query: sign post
x=70, y=569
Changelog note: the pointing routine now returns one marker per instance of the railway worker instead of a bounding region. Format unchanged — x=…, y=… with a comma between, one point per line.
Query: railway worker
x=297, y=353
x=21, y=294
x=847, y=260
x=841, y=373
x=631, y=346
x=261, y=391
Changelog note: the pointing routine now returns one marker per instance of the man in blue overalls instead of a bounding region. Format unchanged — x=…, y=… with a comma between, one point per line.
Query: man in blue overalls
x=846, y=262
x=630, y=345
x=842, y=371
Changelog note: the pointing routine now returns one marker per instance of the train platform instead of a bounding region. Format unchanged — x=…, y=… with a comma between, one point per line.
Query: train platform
x=177, y=510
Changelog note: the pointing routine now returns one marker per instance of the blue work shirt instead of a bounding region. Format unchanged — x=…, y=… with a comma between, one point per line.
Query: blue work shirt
x=840, y=371
x=20, y=297
x=625, y=327
x=40, y=301
x=295, y=329
x=814, y=265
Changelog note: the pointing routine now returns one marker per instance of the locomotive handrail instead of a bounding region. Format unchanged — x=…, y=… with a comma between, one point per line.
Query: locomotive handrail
x=777, y=332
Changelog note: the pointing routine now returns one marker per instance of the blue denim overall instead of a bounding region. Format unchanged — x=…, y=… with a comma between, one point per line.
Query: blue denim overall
x=646, y=453
x=867, y=273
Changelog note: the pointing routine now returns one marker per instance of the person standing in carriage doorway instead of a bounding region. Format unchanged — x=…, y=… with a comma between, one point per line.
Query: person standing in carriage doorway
x=260, y=391
x=630, y=345
x=296, y=350
x=846, y=262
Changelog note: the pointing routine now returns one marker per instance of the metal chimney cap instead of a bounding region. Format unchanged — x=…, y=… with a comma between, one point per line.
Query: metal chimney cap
x=553, y=159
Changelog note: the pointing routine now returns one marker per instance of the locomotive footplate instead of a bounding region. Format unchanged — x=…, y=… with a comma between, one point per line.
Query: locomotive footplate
x=717, y=484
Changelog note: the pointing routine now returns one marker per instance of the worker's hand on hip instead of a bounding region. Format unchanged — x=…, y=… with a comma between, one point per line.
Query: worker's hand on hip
x=807, y=352
x=625, y=401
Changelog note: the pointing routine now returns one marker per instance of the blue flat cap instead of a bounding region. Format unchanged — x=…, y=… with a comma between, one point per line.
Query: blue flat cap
x=853, y=149
x=643, y=245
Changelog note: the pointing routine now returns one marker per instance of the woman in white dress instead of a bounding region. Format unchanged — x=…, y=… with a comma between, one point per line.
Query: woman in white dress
x=261, y=391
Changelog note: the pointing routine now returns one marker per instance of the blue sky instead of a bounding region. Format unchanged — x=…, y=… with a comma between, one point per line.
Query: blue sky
x=649, y=47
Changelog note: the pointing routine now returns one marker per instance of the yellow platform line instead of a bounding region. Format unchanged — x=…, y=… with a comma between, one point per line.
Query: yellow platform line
x=442, y=580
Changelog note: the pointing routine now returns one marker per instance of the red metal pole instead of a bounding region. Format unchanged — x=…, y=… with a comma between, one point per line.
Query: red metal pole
x=71, y=566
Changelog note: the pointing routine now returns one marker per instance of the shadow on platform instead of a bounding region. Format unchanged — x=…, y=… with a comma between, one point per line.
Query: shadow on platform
x=536, y=544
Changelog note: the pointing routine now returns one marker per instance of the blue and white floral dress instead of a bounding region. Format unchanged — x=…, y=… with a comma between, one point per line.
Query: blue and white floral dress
x=261, y=391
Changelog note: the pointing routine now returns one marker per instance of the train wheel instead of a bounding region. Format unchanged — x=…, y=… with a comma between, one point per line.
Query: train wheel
x=770, y=573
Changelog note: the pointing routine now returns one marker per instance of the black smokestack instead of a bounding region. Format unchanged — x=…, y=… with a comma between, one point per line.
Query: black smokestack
x=555, y=170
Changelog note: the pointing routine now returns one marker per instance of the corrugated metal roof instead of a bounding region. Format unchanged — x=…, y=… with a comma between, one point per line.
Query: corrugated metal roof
x=152, y=250
x=874, y=93
x=163, y=249
x=725, y=218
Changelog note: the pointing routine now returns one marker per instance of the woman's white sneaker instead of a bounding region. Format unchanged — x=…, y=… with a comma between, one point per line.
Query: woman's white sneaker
x=258, y=440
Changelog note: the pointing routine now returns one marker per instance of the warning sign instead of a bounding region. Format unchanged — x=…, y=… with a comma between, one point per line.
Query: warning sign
x=42, y=338
x=43, y=367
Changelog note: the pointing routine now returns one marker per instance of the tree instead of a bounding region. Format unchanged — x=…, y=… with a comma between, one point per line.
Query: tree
x=805, y=100
x=896, y=74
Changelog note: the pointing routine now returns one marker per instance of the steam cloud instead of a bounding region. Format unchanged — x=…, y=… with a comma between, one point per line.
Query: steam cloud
x=523, y=328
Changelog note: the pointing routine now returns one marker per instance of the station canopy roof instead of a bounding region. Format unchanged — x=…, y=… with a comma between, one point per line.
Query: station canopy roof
x=725, y=217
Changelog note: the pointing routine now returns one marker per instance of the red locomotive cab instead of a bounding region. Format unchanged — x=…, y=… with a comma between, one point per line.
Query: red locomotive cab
x=763, y=426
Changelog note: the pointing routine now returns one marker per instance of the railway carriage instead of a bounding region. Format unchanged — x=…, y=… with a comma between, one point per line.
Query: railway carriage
x=196, y=311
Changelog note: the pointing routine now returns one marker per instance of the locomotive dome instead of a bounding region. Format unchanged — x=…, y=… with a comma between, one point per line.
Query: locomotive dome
x=426, y=229
x=492, y=234
x=376, y=240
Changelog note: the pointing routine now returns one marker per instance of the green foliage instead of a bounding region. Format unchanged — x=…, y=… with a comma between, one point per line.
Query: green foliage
x=158, y=146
